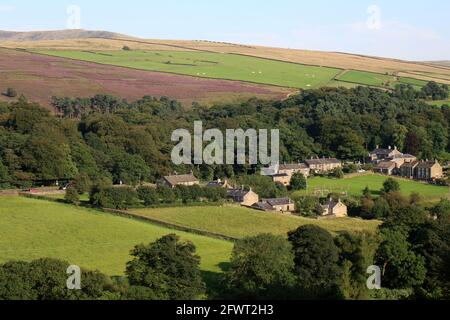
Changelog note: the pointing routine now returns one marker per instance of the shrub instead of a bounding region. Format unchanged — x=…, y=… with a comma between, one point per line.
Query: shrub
x=72, y=195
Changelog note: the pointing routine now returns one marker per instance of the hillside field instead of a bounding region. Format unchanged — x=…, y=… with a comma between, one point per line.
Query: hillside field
x=240, y=222
x=379, y=80
x=355, y=186
x=63, y=77
x=211, y=65
x=32, y=229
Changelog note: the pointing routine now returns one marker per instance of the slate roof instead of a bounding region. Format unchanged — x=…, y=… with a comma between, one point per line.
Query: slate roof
x=386, y=165
x=183, y=178
x=322, y=161
x=278, y=202
x=293, y=166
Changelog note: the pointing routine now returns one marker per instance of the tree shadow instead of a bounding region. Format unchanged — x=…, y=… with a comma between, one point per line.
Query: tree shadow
x=214, y=280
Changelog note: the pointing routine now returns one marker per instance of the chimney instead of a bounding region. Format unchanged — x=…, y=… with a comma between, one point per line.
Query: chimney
x=390, y=147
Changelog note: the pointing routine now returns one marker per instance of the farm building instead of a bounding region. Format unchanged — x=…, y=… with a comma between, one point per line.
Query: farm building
x=243, y=197
x=386, y=167
x=323, y=165
x=336, y=209
x=382, y=154
x=278, y=205
x=187, y=180
x=282, y=178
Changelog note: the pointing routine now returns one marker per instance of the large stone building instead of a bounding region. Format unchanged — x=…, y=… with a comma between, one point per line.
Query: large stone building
x=244, y=197
x=382, y=154
x=285, y=172
x=187, y=180
x=284, y=205
x=323, y=165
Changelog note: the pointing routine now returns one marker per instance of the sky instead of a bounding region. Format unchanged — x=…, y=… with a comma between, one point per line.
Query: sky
x=404, y=29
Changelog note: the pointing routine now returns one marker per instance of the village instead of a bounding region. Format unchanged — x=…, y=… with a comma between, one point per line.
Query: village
x=386, y=161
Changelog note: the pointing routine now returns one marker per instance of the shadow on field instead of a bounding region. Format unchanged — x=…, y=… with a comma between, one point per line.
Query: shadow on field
x=214, y=280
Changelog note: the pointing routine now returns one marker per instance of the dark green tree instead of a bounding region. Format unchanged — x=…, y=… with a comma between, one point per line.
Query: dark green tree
x=261, y=268
x=316, y=262
x=168, y=267
x=298, y=182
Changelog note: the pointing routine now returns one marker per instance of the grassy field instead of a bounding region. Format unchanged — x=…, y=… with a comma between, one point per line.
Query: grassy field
x=439, y=103
x=33, y=229
x=379, y=80
x=71, y=78
x=239, y=222
x=355, y=186
x=211, y=65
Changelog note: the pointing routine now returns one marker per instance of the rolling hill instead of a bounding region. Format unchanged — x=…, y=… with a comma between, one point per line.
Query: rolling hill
x=203, y=71
x=57, y=35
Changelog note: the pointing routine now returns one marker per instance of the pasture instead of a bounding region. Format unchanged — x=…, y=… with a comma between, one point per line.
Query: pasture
x=355, y=185
x=378, y=79
x=239, y=222
x=211, y=65
x=31, y=229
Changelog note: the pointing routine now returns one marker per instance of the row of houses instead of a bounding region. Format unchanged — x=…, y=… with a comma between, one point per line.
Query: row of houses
x=393, y=162
x=285, y=172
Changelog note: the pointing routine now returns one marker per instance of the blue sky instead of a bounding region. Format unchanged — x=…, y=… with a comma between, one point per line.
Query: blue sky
x=408, y=29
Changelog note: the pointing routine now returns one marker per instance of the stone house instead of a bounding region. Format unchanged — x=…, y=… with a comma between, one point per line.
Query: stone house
x=382, y=154
x=187, y=180
x=385, y=167
x=291, y=169
x=283, y=178
x=408, y=169
x=323, y=165
x=244, y=197
x=278, y=205
x=335, y=209
x=429, y=170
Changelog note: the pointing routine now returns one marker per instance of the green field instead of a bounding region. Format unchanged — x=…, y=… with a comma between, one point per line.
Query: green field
x=211, y=65
x=239, y=222
x=31, y=229
x=439, y=103
x=355, y=185
x=378, y=79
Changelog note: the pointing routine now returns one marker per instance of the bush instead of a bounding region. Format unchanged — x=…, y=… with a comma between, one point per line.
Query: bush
x=299, y=182
x=72, y=195
x=148, y=195
x=126, y=48
x=113, y=198
x=391, y=185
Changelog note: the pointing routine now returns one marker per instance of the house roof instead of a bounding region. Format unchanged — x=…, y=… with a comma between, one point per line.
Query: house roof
x=263, y=206
x=278, y=202
x=385, y=151
x=386, y=165
x=331, y=204
x=404, y=156
x=427, y=164
x=411, y=164
x=293, y=166
x=184, y=178
x=322, y=161
x=238, y=192
x=279, y=175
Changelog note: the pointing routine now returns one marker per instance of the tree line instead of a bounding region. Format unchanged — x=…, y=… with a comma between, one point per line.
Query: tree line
x=108, y=139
